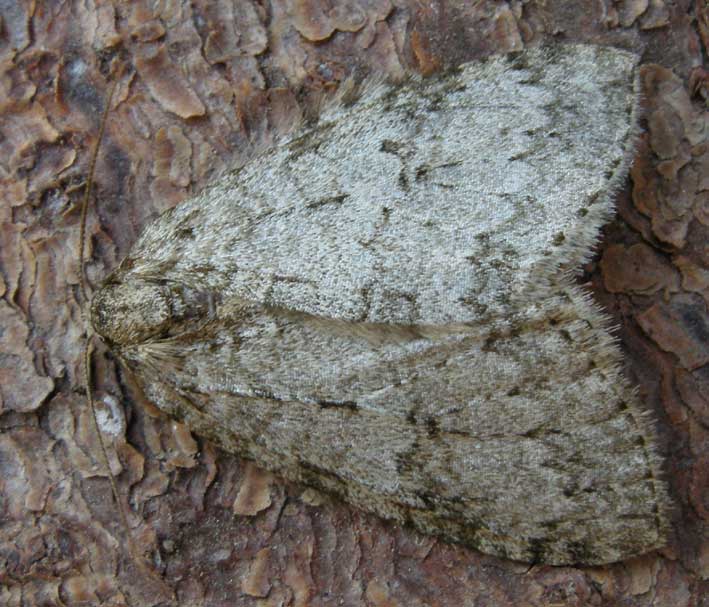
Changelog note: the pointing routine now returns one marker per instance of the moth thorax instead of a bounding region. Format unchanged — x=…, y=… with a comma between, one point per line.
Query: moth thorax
x=131, y=312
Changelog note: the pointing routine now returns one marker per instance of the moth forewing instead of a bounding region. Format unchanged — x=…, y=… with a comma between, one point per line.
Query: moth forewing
x=380, y=307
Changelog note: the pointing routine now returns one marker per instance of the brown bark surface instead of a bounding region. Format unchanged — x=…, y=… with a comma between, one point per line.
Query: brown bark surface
x=200, y=84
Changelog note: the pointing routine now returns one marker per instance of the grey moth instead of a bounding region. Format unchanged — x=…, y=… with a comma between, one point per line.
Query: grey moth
x=382, y=307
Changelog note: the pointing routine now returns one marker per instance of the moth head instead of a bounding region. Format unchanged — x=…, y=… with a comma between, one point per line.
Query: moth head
x=130, y=312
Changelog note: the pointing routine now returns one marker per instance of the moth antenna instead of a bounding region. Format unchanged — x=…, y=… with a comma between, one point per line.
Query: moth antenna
x=104, y=451
x=88, y=380
x=132, y=548
x=82, y=283
x=89, y=187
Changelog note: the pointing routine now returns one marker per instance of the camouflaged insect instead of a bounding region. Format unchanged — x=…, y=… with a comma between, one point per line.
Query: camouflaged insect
x=383, y=307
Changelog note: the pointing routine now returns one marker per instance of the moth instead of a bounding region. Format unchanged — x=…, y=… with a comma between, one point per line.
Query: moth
x=382, y=307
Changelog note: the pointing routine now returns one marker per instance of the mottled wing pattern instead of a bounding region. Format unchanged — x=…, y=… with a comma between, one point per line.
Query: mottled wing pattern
x=382, y=308
x=523, y=441
x=434, y=202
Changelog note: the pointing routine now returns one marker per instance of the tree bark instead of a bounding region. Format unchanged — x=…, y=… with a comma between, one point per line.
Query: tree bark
x=200, y=86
